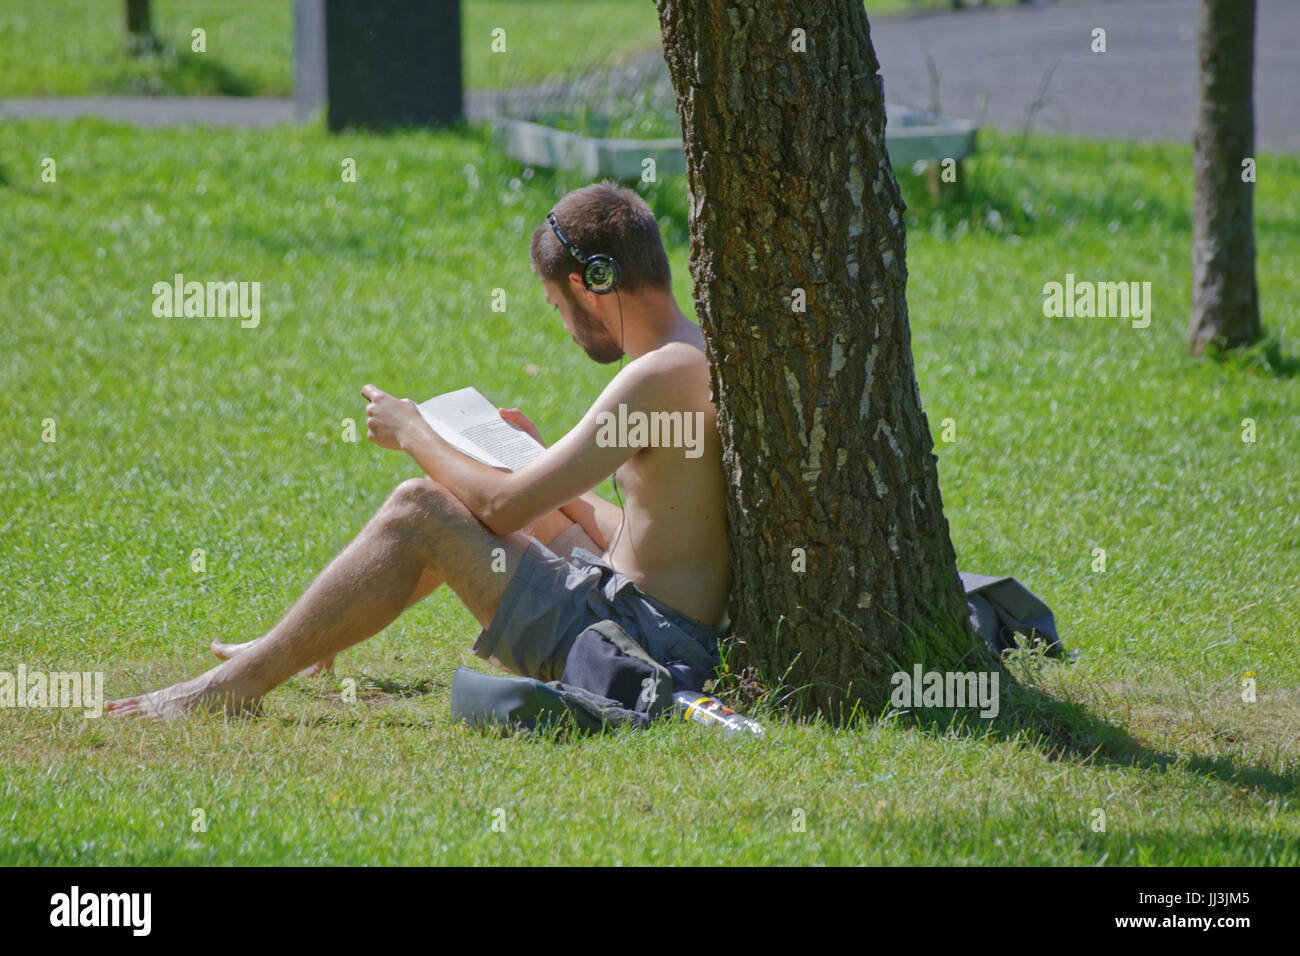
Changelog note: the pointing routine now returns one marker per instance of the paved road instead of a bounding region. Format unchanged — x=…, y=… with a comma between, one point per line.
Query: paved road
x=991, y=62
x=160, y=110
x=1142, y=87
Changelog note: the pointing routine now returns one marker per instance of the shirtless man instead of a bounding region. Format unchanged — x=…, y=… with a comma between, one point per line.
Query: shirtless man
x=662, y=563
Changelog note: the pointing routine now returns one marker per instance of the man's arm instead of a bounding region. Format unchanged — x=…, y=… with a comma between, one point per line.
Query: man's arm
x=598, y=517
x=508, y=501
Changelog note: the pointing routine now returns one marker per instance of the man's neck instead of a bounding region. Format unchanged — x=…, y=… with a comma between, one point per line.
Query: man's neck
x=652, y=321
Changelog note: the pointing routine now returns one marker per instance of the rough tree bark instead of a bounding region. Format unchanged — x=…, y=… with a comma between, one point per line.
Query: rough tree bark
x=825, y=444
x=1225, y=301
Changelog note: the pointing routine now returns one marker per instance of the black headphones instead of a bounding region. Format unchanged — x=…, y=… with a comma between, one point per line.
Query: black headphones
x=600, y=273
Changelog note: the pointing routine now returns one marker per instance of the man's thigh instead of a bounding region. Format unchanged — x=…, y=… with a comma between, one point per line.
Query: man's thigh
x=457, y=548
x=478, y=564
x=480, y=580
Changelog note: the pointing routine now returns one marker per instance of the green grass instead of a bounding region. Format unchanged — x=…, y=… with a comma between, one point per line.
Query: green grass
x=180, y=434
x=77, y=47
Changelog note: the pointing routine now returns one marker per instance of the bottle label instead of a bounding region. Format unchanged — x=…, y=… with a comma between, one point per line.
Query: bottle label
x=707, y=705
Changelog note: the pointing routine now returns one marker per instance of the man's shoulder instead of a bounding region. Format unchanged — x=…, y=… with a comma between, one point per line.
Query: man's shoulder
x=672, y=375
x=671, y=362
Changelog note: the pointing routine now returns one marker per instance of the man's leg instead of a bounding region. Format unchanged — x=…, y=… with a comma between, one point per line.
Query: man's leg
x=555, y=530
x=421, y=536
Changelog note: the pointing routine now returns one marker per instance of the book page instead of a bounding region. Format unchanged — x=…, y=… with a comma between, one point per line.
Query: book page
x=469, y=423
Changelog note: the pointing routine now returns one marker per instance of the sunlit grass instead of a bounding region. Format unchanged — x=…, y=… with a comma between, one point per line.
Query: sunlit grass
x=78, y=48
x=182, y=434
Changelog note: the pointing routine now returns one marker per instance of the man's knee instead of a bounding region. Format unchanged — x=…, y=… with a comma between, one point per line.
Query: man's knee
x=419, y=506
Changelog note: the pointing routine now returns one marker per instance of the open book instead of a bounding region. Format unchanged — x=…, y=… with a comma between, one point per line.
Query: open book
x=469, y=423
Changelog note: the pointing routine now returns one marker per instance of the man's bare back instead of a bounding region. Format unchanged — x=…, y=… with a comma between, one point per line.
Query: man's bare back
x=674, y=540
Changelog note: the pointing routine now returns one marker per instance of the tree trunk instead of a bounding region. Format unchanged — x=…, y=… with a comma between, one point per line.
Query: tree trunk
x=827, y=451
x=1225, y=302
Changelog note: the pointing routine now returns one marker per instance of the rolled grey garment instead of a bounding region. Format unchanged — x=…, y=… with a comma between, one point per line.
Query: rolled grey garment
x=984, y=620
x=505, y=703
x=1014, y=609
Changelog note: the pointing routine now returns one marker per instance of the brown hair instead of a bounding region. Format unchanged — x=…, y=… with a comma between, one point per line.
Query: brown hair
x=608, y=219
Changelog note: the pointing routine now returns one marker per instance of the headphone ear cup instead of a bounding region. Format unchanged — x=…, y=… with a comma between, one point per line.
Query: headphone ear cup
x=601, y=275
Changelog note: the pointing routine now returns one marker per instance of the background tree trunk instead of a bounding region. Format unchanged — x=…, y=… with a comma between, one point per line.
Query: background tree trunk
x=137, y=17
x=825, y=445
x=139, y=26
x=1225, y=302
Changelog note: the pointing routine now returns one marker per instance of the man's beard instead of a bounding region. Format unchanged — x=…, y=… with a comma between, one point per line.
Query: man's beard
x=595, y=340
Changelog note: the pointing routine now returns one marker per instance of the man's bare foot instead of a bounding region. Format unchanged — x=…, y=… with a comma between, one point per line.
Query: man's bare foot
x=203, y=693
x=227, y=651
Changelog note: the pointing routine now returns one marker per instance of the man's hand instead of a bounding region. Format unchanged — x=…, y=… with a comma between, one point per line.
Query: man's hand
x=517, y=418
x=389, y=420
x=507, y=501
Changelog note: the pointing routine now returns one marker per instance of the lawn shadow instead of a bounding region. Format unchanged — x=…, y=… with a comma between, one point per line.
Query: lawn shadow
x=353, y=719
x=397, y=688
x=379, y=699
x=1066, y=730
x=1268, y=357
x=162, y=69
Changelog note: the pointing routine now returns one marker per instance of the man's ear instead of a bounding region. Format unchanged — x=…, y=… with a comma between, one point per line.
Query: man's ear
x=576, y=288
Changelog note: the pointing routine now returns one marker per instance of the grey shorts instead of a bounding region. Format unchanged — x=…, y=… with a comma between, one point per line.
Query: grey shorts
x=551, y=600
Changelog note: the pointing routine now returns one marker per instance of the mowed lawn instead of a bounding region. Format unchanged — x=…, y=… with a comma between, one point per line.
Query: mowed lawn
x=77, y=47
x=174, y=435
